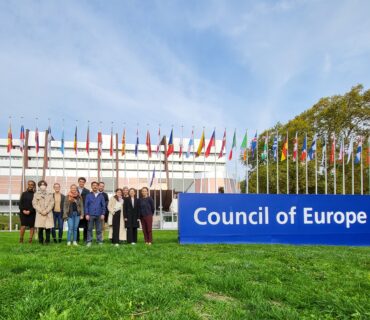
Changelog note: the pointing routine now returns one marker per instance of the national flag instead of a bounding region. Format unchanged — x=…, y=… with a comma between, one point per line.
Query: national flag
x=312, y=150
x=323, y=153
x=304, y=149
x=159, y=140
x=148, y=144
x=295, y=148
x=265, y=149
x=284, y=150
x=152, y=179
x=37, y=140
x=10, y=139
x=75, y=141
x=243, y=146
x=254, y=144
x=201, y=145
x=221, y=154
x=350, y=150
x=62, y=143
x=190, y=145
x=211, y=144
x=22, y=139
x=332, y=150
x=170, y=147
x=341, y=152
x=359, y=151
x=181, y=146
x=275, y=147
x=137, y=143
x=100, y=143
x=50, y=138
x=123, y=148
x=88, y=140
x=232, y=146
x=111, y=143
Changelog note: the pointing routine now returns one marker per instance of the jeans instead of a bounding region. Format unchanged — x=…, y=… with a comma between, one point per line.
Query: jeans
x=73, y=221
x=94, y=220
x=58, y=220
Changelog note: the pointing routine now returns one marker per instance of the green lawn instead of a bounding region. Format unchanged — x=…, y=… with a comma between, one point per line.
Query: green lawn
x=169, y=281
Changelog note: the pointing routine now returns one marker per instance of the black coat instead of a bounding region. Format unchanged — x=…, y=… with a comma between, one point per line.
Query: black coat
x=25, y=202
x=106, y=199
x=131, y=213
x=84, y=193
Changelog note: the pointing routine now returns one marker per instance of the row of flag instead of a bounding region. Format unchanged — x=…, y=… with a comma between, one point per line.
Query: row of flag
x=306, y=155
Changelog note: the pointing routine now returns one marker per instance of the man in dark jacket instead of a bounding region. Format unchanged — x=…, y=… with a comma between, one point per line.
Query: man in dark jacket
x=106, y=199
x=83, y=223
x=94, y=213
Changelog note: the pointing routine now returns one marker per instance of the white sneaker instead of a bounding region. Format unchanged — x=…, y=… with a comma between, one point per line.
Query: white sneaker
x=133, y=243
x=116, y=244
x=88, y=244
x=75, y=243
x=68, y=243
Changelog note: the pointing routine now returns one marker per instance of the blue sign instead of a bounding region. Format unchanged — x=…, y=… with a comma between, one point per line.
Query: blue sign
x=290, y=219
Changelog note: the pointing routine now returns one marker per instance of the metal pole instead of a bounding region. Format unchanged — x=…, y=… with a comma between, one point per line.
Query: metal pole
x=267, y=164
x=287, y=163
x=215, y=183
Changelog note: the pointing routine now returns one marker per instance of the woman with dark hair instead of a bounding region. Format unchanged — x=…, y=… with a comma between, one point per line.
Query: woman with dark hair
x=115, y=219
x=131, y=216
x=27, y=211
x=43, y=202
x=146, y=210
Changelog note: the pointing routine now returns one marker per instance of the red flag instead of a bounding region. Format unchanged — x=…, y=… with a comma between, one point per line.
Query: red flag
x=10, y=139
x=111, y=143
x=159, y=140
x=88, y=140
x=211, y=144
x=100, y=143
x=123, y=150
x=332, y=151
x=295, y=148
x=223, y=146
x=180, y=150
x=148, y=144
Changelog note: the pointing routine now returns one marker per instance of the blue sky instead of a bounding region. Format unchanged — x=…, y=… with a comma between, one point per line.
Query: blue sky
x=234, y=64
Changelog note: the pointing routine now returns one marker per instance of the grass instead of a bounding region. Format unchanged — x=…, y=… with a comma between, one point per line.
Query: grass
x=169, y=281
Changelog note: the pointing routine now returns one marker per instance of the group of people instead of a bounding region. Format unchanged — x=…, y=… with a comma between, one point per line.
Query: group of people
x=85, y=209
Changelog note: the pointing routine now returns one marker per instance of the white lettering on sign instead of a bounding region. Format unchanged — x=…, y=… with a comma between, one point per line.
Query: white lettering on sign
x=333, y=217
x=202, y=217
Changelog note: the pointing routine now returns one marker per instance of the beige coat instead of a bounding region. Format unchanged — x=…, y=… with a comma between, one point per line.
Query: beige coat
x=112, y=207
x=43, y=202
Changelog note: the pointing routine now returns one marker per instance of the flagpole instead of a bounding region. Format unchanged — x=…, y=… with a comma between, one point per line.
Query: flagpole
x=287, y=163
x=10, y=177
x=267, y=164
x=137, y=160
x=326, y=167
x=343, y=169
x=182, y=158
x=296, y=165
x=335, y=165
x=277, y=162
x=215, y=182
x=172, y=155
x=124, y=156
x=111, y=151
x=23, y=167
x=361, y=168
x=353, y=169
x=147, y=126
x=193, y=147
x=204, y=160
x=247, y=163
x=64, y=176
x=49, y=149
x=306, y=164
x=160, y=180
x=88, y=152
x=315, y=165
x=258, y=185
x=236, y=168
x=76, y=151
x=37, y=154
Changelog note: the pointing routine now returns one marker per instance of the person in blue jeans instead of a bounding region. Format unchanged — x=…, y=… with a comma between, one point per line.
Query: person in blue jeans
x=59, y=199
x=73, y=212
x=94, y=213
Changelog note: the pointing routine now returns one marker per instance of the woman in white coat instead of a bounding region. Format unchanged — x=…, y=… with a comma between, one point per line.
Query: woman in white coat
x=43, y=202
x=116, y=220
